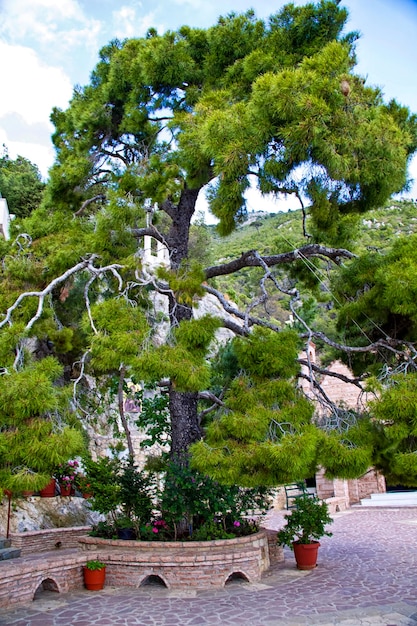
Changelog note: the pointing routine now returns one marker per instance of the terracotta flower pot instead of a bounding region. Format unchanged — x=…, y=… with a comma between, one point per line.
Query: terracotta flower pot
x=49, y=490
x=94, y=578
x=66, y=490
x=306, y=554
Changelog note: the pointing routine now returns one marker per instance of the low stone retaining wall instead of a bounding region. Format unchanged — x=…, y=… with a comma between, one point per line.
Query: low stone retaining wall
x=35, y=541
x=197, y=564
x=21, y=578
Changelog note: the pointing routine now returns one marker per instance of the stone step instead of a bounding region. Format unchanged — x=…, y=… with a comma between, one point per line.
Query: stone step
x=5, y=543
x=9, y=553
x=391, y=498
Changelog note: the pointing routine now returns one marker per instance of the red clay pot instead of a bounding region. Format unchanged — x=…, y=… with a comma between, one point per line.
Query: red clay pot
x=306, y=554
x=49, y=490
x=94, y=578
x=66, y=490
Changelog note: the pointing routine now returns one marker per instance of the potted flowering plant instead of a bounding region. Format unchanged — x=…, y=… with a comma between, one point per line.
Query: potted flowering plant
x=66, y=475
x=84, y=486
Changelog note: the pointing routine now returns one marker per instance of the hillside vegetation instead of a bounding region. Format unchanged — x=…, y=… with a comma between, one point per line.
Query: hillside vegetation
x=274, y=233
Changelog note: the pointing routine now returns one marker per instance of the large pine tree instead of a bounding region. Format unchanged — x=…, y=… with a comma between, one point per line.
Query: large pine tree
x=164, y=118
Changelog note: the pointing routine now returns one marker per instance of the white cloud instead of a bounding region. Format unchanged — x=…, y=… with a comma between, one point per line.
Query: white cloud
x=59, y=23
x=127, y=23
x=42, y=155
x=29, y=87
x=124, y=20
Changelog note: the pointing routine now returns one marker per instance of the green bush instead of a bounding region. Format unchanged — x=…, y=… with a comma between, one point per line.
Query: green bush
x=306, y=523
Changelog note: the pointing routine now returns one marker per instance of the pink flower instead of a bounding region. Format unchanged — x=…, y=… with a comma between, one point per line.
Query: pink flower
x=236, y=523
x=160, y=522
x=155, y=530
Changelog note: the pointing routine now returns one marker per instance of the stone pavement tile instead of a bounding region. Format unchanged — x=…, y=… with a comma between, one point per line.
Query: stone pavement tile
x=367, y=576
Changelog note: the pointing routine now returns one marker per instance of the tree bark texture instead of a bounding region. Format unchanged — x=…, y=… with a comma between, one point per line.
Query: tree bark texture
x=184, y=423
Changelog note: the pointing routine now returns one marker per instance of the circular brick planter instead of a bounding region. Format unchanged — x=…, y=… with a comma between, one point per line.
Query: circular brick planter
x=179, y=564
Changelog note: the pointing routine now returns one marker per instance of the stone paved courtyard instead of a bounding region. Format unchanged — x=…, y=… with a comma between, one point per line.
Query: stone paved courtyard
x=366, y=576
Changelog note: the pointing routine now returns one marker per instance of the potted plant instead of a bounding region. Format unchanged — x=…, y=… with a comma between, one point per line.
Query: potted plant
x=125, y=528
x=49, y=490
x=94, y=575
x=83, y=485
x=304, y=527
x=66, y=475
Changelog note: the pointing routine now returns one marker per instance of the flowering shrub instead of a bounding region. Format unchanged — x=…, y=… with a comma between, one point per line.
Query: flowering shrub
x=191, y=506
x=66, y=473
x=156, y=530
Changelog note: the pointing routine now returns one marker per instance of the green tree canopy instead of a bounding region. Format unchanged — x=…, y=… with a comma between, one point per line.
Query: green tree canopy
x=20, y=183
x=163, y=119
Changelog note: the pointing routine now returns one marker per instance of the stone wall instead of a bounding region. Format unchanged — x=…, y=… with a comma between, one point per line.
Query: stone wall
x=36, y=513
x=37, y=541
x=20, y=579
x=197, y=564
x=340, y=494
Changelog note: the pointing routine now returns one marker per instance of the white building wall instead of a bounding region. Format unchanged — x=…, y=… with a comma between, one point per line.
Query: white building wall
x=4, y=219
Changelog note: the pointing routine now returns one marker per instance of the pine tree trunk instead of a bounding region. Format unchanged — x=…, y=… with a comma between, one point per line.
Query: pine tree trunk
x=185, y=427
x=184, y=424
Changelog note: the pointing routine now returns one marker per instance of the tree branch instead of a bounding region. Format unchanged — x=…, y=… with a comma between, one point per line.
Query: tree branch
x=217, y=402
x=86, y=203
x=86, y=264
x=147, y=230
x=120, y=402
x=326, y=372
x=252, y=259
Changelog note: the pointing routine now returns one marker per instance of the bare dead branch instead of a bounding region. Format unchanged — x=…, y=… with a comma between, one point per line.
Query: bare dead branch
x=252, y=259
x=86, y=264
x=325, y=372
x=138, y=233
x=79, y=378
x=217, y=402
x=397, y=346
x=208, y=395
x=232, y=310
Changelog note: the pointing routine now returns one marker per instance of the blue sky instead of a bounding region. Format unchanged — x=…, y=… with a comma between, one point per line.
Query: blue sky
x=48, y=46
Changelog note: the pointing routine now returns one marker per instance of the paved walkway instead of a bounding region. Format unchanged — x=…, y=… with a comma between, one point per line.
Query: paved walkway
x=366, y=576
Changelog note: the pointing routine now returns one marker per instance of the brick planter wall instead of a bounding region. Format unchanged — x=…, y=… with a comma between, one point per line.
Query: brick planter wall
x=21, y=578
x=35, y=541
x=197, y=564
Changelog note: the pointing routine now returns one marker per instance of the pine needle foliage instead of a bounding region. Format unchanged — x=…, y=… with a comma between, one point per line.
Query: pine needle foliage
x=394, y=417
x=164, y=117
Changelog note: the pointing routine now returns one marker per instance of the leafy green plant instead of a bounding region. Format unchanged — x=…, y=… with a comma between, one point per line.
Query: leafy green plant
x=104, y=530
x=306, y=523
x=121, y=491
x=66, y=473
x=191, y=500
x=154, y=416
x=211, y=530
x=95, y=565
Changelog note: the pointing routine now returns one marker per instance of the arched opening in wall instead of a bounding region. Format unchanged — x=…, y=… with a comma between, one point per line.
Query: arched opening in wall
x=237, y=578
x=47, y=588
x=153, y=581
